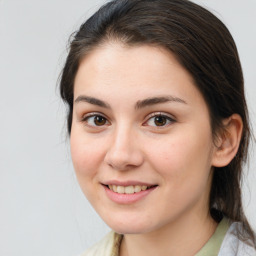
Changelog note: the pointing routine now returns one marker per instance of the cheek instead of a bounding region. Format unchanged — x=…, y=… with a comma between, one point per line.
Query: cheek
x=184, y=166
x=82, y=157
x=86, y=155
x=86, y=160
x=183, y=157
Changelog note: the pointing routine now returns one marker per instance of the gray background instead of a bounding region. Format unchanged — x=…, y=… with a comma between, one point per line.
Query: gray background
x=42, y=210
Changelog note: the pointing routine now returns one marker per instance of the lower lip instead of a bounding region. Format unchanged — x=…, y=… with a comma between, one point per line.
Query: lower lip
x=127, y=198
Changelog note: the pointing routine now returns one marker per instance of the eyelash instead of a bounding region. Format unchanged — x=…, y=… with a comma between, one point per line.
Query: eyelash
x=168, y=120
x=93, y=116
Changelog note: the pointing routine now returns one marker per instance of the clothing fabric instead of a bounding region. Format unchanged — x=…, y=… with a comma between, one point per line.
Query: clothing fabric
x=224, y=242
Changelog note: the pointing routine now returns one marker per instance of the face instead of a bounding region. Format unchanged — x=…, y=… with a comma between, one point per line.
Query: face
x=141, y=140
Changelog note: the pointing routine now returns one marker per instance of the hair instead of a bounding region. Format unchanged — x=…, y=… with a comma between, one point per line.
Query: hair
x=204, y=47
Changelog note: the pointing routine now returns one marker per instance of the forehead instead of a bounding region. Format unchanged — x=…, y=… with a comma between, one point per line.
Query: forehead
x=139, y=70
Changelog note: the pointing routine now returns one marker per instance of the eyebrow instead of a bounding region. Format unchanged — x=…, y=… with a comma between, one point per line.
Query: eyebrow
x=158, y=100
x=92, y=100
x=140, y=104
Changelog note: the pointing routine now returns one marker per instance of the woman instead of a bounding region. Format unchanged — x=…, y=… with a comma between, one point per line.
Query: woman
x=159, y=129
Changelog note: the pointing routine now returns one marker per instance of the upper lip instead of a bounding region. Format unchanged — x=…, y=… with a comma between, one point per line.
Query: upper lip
x=128, y=183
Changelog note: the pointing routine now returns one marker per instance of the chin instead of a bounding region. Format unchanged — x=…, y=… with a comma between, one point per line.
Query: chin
x=129, y=226
x=130, y=230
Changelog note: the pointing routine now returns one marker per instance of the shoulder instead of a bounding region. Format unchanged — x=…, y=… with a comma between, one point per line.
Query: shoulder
x=108, y=246
x=233, y=246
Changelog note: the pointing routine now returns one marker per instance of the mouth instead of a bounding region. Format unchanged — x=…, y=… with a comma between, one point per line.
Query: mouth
x=129, y=189
x=128, y=192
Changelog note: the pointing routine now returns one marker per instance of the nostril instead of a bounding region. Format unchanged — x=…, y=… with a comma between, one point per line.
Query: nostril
x=124, y=159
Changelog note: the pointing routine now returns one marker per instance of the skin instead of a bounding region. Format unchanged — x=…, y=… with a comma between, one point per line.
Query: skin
x=128, y=146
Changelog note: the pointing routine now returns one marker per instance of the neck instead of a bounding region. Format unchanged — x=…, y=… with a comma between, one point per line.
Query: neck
x=184, y=237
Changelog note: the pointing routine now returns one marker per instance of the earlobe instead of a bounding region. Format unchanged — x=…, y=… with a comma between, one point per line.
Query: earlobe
x=228, y=141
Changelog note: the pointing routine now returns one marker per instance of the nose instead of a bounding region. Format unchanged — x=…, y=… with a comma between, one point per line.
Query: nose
x=124, y=151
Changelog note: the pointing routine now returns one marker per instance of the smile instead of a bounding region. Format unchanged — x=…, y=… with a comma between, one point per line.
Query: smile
x=128, y=193
x=128, y=189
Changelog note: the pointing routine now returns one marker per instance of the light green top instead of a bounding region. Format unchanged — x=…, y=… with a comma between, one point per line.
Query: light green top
x=109, y=246
x=212, y=247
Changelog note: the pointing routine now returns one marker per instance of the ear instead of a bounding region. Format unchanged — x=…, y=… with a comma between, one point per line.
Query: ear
x=228, y=141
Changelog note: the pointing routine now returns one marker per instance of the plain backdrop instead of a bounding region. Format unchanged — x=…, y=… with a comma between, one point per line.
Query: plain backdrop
x=42, y=210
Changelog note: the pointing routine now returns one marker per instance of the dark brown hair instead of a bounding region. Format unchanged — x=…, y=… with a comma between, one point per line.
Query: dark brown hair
x=203, y=45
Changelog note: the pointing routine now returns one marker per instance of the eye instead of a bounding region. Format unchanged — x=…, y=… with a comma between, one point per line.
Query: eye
x=159, y=120
x=95, y=120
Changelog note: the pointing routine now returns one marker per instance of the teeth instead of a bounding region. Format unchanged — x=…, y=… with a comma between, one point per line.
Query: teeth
x=143, y=187
x=137, y=189
x=120, y=190
x=127, y=189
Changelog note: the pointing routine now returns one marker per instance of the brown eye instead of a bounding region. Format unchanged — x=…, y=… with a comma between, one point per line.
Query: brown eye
x=160, y=120
x=99, y=120
x=95, y=120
